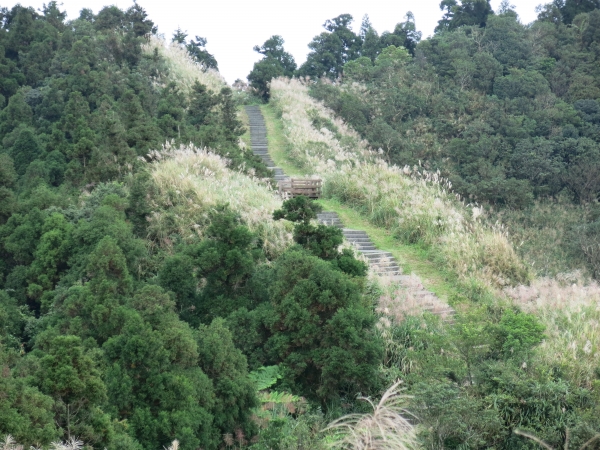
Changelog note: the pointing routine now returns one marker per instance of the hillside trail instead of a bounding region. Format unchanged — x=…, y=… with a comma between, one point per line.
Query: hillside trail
x=406, y=289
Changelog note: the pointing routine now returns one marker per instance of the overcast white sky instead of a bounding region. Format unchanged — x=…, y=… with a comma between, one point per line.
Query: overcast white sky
x=233, y=27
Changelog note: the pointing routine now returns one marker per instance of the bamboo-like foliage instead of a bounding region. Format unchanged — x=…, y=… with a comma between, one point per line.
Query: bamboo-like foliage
x=415, y=205
x=183, y=70
x=190, y=181
x=385, y=429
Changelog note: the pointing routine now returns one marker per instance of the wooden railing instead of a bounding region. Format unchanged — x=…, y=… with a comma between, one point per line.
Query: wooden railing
x=309, y=187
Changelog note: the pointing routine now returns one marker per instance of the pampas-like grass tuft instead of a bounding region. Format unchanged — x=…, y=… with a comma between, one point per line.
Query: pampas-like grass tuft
x=9, y=443
x=183, y=70
x=384, y=429
x=190, y=181
x=570, y=310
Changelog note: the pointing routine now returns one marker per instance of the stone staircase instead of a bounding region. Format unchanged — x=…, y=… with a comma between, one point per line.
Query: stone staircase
x=385, y=265
x=260, y=145
x=382, y=263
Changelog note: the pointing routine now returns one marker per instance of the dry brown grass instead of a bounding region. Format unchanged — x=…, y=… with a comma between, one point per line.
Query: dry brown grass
x=399, y=301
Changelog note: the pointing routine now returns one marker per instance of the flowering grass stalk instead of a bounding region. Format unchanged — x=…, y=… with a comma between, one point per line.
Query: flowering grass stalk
x=416, y=206
x=183, y=70
x=399, y=301
x=385, y=429
x=570, y=310
x=190, y=181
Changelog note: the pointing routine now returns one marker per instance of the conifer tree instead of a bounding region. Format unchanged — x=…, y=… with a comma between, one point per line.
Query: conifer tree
x=25, y=150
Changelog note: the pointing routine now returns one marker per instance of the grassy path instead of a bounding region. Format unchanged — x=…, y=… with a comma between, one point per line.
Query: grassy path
x=412, y=258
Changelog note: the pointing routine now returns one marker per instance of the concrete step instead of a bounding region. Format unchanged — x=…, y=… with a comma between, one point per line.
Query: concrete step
x=377, y=254
x=328, y=218
x=379, y=262
x=385, y=274
x=392, y=270
x=354, y=233
x=361, y=247
x=329, y=223
x=373, y=257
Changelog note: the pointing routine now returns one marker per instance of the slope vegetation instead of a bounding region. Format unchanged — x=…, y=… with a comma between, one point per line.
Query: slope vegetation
x=414, y=205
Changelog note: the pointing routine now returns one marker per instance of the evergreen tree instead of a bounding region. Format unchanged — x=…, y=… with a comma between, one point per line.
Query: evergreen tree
x=71, y=378
x=405, y=35
x=201, y=106
x=371, y=42
x=321, y=241
x=225, y=365
x=332, y=49
x=276, y=62
x=16, y=114
x=319, y=332
x=25, y=150
x=465, y=12
x=8, y=177
x=232, y=126
x=225, y=261
x=197, y=49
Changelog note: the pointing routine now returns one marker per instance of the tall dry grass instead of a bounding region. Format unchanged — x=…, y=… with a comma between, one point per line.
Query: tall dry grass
x=546, y=235
x=190, y=181
x=9, y=443
x=415, y=205
x=399, y=301
x=570, y=309
x=385, y=429
x=183, y=70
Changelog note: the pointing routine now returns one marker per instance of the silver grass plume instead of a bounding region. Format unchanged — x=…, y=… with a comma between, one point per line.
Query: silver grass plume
x=385, y=429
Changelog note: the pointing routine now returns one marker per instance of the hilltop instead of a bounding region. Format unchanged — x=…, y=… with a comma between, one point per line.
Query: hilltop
x=157, y=292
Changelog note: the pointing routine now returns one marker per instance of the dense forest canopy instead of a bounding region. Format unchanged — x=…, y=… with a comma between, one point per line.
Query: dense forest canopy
x=508, y=112
x=112, y=325
x=142, y=303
